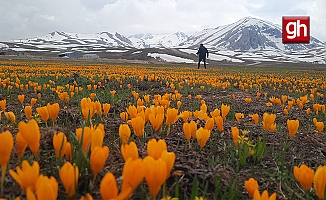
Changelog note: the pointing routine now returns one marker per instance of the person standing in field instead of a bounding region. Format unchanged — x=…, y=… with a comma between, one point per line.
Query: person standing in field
x=202, y=52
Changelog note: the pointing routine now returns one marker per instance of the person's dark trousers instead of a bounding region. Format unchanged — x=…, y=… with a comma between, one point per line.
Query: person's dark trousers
x=202, y=59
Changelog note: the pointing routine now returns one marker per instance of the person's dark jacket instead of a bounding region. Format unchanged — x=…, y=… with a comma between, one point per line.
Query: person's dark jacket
x=202, y=51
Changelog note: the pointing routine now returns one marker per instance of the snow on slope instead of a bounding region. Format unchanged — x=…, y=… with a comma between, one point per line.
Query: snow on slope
x=101, y=39
x=190, y=51
x=158, y=40
x=23, y=49
x=170, y=58
x=246, y=34
x=116, y=51
x=3, y=46
x=223, y=58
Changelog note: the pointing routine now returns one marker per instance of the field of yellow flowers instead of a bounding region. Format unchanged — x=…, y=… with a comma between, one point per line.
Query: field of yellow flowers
x=81, y=130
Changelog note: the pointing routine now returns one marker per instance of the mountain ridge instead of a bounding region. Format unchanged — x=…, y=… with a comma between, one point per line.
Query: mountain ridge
x=248, y=34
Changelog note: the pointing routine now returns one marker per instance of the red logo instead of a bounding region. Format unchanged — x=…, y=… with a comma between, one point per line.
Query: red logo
x=296, y=29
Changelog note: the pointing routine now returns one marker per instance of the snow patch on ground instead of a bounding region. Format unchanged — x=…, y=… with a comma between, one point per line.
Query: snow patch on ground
x=3, y=46
x=236, y=60
x=56, y=46
x=91, y=51
x=99, y=48
x=190, y=51
x=169, y=58
x=116, y=51
x=250, y=54
x=23, y=49
x=223, y=58
x=258, y=59
x=136, y=52
x=218, y=57
x=79, y=49
x=227, y=53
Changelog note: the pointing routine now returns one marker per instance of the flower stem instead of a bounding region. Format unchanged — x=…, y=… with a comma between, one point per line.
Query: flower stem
x=3, y=172
x=169, y=129
x=164, y=189
x=93, y=183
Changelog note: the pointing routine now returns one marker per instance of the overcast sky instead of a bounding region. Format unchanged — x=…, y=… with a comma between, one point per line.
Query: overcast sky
x=22, y=19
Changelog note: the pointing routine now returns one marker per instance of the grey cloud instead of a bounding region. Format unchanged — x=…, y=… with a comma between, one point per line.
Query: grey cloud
x=96, y=5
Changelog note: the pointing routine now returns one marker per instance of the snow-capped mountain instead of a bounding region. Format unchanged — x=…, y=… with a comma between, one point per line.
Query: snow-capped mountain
x=247, y=39
x=247, y=34
x=158, y=40
x=76, y=39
